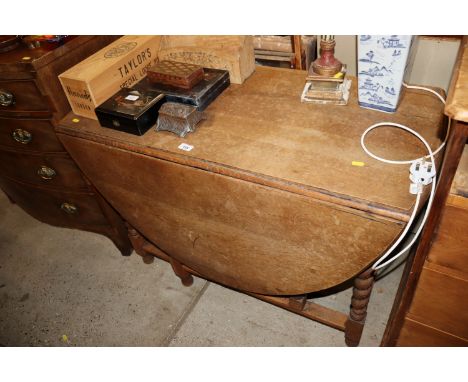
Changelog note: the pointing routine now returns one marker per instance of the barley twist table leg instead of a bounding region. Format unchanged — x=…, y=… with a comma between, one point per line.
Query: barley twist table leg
x=357, y=315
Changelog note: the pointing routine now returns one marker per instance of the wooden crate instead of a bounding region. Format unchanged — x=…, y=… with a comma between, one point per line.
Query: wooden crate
x=279, y=51
x=118, y=65
x=273, y=43
x=232, y=53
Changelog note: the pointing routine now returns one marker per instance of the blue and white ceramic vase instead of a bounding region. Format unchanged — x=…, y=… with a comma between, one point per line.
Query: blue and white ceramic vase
x=382, y=62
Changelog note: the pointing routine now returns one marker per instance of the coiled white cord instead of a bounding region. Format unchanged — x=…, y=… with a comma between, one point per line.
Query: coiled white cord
x=380, y=263
x=426, y=89
x=442, y=145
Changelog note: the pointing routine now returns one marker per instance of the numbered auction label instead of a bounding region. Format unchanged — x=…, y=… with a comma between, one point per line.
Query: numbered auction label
x=132, y=97
x=185, y=147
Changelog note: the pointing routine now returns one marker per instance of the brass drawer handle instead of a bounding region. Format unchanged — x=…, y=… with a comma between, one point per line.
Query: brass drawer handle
x=6, y=98
x=46, y=172
x=22, y=136
x=69, y=208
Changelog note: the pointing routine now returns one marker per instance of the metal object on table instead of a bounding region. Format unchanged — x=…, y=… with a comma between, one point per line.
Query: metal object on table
x=178, y=118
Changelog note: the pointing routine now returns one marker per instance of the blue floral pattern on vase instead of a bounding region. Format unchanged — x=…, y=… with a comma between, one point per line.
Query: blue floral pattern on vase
x=381, y=66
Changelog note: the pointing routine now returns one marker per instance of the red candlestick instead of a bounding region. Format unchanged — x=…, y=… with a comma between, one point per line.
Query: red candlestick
x=327, y=64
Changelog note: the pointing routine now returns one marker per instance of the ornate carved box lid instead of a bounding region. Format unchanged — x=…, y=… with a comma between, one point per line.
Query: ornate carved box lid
x=178, y=118
x=175, y=73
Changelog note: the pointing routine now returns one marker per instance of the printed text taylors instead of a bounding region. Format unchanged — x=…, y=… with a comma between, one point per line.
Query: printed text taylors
x=135, y=62
x=135, y=77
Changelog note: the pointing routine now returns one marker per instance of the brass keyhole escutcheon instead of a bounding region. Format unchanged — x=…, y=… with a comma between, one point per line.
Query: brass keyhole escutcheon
x=46, y=172
x=22, y=136
x=69, y=208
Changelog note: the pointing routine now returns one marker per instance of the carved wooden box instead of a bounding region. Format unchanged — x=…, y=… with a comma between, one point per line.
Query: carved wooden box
x=178, y=74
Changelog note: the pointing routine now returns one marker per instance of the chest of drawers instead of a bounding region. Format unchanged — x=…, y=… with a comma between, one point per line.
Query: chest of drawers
x=35, y=170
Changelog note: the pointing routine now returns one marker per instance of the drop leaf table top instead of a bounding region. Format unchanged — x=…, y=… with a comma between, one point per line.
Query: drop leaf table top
x=270, y=189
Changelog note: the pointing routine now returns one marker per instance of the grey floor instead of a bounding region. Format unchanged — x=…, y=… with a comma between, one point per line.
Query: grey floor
x=61, y=287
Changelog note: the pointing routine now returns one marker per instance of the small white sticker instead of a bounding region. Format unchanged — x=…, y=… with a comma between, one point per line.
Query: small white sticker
x=185, y=147
x=132, y=97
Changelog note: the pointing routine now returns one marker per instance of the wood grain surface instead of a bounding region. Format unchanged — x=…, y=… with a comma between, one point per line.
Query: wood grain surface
x=457, y=100
x=29, y=147
x=450, y=248
x=415, y=333
x=42, y=133
x=460, y=180
x=44, y=205
x=25, y=167
x=440, y=301
x=268, y=200
x=429, y=308
x=261, y=132
x=232, y=53
x=29, y=102
x=23, y=59
x=238, y=233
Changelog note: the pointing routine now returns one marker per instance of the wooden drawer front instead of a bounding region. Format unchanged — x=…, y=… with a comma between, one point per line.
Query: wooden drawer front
x=56, y=207
x=28, y=101
x=56, y=170
x=29, y=134
x=414, y=333
x=450, y=248
x=440, y=301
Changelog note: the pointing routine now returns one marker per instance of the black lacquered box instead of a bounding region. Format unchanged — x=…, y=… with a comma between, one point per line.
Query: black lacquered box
x=131, y=110
x=200, y=95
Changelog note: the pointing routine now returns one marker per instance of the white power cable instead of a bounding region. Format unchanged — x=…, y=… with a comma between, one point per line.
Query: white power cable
x=377, y=264
x=443, y=101
x=426, y=89
x=380, y=262
x=380, y=124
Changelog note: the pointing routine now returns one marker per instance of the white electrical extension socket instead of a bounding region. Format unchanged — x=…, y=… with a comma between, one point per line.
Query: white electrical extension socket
x=421, y=174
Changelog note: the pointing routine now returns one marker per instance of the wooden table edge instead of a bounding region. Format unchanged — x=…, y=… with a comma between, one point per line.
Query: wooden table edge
x=453, y=108
x=374, y=210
